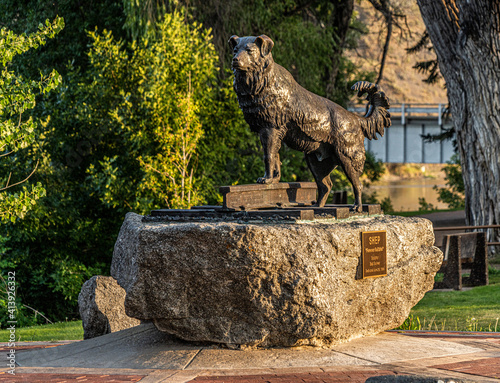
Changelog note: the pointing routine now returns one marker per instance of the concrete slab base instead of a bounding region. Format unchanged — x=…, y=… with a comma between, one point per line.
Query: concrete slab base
x=144, y=347
x=143, y=354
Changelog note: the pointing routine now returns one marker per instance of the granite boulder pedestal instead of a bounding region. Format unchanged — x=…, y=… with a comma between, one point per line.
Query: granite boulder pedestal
x=257, y=284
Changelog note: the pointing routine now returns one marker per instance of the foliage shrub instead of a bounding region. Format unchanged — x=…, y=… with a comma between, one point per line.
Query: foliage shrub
x=453, y=194
x=425, y=206
x=17, y=134
x=17, y=127
x=151, y=96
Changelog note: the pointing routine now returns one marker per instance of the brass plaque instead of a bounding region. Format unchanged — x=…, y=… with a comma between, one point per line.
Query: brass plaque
x=374, y=258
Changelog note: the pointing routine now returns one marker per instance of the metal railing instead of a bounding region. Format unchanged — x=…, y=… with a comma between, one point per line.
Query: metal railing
x=404, y=142
x=461, y=228
x=413, y=110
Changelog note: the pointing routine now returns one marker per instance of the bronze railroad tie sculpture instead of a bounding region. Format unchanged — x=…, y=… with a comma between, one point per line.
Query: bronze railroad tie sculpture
x=278, y=109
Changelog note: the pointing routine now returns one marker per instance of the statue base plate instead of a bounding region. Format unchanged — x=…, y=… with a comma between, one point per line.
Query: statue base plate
x=304, y=213
x=282, y=194
x=280, y=201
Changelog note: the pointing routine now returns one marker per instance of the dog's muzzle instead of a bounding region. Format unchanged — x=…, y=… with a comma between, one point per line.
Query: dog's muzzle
x=235, y=64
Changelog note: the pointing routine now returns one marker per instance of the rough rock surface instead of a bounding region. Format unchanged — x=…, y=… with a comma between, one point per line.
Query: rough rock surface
x=102, y=307
x=258, y=284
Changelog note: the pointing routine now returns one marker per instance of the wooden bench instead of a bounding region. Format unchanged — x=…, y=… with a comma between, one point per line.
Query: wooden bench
x=464, y=251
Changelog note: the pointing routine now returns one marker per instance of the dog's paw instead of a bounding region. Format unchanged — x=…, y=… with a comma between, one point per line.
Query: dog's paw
x=265, y=180
x=356, y=208
x=268, y=180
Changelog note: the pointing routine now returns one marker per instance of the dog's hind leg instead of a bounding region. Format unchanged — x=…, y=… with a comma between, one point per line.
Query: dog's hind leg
x=321, y=171
x=353, y=176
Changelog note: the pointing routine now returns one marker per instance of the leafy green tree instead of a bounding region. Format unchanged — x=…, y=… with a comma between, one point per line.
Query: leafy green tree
x=72, y=42
x=169, y=174
x=68, y=235
x=17, y=134
x=158, y=108
x=17, y=96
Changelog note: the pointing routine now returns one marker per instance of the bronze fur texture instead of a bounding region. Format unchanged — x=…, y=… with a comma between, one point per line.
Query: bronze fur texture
x=279, y=110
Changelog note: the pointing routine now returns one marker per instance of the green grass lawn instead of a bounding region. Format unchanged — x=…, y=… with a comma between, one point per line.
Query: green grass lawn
x=477, y=309
x=48, y=332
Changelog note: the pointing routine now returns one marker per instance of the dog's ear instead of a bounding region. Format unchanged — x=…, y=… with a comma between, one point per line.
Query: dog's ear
x=233, y=41
x=265, y=44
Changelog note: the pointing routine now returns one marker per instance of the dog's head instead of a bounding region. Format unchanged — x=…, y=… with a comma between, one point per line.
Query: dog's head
x=250, y=52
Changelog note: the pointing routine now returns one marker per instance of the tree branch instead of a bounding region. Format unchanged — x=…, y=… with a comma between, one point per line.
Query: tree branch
x=298, y=8
x=37, y=312
x=20, y=182
x=384, y=7
x=6, y=154
x=385, y=51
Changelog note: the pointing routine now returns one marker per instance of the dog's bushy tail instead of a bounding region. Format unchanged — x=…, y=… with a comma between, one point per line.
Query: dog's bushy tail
x=377, y=118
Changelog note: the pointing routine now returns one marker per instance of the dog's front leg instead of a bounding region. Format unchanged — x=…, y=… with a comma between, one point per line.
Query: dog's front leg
x=277, y=167
x=271, y=143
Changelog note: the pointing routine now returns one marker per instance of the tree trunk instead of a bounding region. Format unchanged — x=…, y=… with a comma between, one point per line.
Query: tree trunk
x=466, y=38
x=341, y=20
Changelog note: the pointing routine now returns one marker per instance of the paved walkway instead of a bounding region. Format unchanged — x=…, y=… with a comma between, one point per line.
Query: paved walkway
x=443, y=219
x=142, y=354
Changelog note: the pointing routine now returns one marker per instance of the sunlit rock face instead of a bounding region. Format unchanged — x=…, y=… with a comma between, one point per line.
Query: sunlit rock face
x=101, y=304
x=271, y=285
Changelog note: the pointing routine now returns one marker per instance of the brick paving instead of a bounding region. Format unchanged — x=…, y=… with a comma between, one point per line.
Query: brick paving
x=31, y=347
x=316, y=377
x=488, y=367
x=448, y=335
x=483, y=366
x=63, y=378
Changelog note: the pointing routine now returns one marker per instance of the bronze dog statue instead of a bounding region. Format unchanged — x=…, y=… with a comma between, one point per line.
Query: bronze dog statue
x=280, y=110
